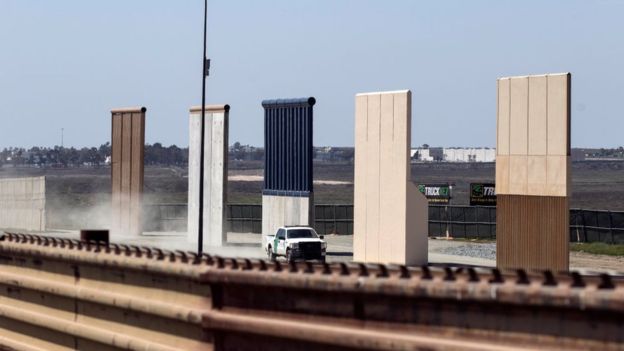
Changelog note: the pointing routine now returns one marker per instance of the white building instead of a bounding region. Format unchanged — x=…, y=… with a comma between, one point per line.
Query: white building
x=481, y=154
x=421, y=154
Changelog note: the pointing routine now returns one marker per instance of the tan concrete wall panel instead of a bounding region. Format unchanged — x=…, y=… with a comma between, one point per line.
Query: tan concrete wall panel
x=558, y=115
x=372, y=177
x=537, y=115
x=557, y=176
x=416, y=227
x=502, y=122
x=518, y=119
x=537, y=175
x=518, y=174
x=539, y=125
x=390, y=215
x=359, y=177
x=502, y=174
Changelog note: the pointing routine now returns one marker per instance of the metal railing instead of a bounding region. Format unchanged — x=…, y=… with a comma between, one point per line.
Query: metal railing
x=63, y=294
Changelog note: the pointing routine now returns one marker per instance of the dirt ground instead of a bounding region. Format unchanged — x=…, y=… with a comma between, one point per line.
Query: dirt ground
x=598, y=262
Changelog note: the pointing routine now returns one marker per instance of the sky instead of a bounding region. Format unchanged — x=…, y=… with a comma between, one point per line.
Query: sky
x=65, y=64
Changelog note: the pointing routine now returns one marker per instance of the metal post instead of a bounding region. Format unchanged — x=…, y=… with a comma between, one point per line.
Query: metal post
x=200, y=236
x=611, y=227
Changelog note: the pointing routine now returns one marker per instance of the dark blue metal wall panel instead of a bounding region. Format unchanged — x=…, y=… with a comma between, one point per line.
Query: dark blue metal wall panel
x=288, y=146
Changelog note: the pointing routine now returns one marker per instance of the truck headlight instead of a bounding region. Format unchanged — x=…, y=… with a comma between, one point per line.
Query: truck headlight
x=294, y=246
x=323, y=245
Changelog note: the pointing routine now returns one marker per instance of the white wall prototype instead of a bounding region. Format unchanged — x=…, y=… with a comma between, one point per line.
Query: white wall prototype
x=215, y=174
x=23, y=203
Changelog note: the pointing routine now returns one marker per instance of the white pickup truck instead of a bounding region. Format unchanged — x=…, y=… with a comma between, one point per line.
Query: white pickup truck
x=296, y=243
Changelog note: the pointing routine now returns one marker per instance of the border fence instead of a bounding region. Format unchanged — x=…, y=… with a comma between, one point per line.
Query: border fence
x=469, y=222
x=596, y=226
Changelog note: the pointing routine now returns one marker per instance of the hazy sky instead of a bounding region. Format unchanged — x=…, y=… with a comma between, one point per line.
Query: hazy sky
x=65, y=64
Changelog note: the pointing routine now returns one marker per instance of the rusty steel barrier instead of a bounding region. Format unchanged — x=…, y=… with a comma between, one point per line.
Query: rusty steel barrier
x=60, y=294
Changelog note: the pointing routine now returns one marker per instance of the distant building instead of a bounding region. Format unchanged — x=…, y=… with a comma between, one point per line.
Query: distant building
x=332, y=153
x=470, y=154
x=431, y=154
x=427, y=154
x=578, y=155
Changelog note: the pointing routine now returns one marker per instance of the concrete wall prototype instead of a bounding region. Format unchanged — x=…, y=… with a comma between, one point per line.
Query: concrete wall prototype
x=23, y=203
x=533, y=172
x=128, y=145
x=390, y=214
x=287, y=198
x=215, y=173
x=286, y=210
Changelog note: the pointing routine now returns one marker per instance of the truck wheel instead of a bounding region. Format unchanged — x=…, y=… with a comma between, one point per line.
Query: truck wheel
x=270, y=254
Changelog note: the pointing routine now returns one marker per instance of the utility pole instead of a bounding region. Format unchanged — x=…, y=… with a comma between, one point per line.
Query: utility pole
x=62, y=131
x=206, y=68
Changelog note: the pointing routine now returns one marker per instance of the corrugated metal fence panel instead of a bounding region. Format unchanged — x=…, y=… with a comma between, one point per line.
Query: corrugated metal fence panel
x=288, y=146
x=533, y=232
x=128, y=143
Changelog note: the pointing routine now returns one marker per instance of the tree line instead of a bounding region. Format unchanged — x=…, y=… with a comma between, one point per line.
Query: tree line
x=155, y=154
x=57, y=156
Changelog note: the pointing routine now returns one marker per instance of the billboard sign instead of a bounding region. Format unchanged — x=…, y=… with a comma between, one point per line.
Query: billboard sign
x=482, y=194
x=436, y=193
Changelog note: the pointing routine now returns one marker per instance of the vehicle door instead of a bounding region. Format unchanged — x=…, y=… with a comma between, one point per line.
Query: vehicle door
x=280, y=239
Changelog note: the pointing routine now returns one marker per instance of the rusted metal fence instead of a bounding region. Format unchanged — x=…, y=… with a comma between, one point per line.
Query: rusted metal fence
x=60, y=294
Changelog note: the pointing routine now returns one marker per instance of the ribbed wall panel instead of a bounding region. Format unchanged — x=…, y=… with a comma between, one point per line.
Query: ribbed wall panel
x=288, y=146
x=532, y=232
x=128, y=142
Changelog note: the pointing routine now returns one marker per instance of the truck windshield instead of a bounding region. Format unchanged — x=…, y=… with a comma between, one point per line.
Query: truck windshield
x=301, y=234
